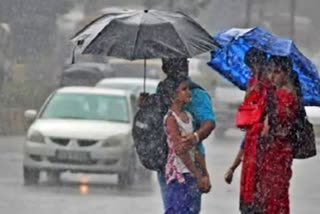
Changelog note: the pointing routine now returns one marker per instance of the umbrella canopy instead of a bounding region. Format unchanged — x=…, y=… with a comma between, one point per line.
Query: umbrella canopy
x=143, y=34
x=228, y=60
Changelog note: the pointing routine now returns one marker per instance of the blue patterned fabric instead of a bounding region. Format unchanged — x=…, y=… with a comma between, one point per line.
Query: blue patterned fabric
x=183, y=198
x=228, y=60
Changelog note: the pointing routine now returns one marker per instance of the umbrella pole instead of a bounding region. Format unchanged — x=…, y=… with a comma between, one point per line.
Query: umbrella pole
x=145, y=75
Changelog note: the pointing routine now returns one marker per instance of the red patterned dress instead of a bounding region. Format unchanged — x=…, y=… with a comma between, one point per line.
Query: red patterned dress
x=266, y=167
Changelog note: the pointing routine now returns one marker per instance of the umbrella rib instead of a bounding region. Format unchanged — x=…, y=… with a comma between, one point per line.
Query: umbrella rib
x=175, y=31
x=88, y=25
x=182, y=41
x=120, y=16
x=214, y=42
x=102, y=30
x=136, y=39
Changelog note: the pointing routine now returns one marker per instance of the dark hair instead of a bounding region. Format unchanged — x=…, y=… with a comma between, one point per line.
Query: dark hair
x=284, y=62
x=170, y=86
x=255, y=56
x=174, y=66
x=296, y=83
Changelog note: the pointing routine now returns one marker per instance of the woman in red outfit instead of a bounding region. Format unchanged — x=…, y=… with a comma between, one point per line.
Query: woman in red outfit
x=257, y=93
x=276, y=153
x=267, y=159
x=256, y=60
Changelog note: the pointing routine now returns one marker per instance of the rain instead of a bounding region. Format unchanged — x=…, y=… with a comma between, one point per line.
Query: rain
x=82, y=88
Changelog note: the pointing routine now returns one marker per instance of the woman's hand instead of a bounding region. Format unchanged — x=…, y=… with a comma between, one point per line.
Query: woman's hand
x=141, y=98
x=228, y=176
x=204, y=184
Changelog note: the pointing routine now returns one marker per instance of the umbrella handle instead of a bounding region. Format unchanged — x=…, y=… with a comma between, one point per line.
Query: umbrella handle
x=145, y=75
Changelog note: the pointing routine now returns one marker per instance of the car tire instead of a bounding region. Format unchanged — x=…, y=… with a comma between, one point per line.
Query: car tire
x=53, y=177
x=126, y=178
x=30, y=176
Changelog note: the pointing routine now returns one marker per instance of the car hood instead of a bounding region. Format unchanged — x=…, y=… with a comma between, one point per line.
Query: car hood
x=313, y=114
x=79, y=128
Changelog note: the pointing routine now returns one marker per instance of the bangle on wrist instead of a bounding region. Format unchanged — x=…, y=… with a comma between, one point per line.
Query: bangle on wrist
x=197, y=136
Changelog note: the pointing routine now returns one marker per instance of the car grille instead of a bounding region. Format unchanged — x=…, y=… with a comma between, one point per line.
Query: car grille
x=84, y=143
x=78, y=162
x=60, y=141
x=35, y=157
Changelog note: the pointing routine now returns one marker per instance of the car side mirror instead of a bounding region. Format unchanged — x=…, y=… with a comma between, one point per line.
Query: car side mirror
x=30, y=115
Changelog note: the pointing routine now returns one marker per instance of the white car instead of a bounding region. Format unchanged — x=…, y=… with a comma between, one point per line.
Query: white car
x=131, y=84
x=81, y=129
x=313, y=114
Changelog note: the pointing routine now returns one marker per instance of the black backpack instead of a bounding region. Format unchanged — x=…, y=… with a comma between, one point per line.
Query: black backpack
x=148, y=134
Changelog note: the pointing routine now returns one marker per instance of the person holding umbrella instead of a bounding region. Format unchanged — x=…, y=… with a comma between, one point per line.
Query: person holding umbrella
x=149, y=34
x=259, y=88
x=267, y=158
x=257, y=61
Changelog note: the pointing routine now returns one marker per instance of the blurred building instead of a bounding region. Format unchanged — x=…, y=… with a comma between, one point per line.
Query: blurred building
x=32, y=23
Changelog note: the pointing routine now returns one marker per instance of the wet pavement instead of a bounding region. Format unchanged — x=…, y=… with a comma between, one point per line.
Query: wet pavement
x=82, y=194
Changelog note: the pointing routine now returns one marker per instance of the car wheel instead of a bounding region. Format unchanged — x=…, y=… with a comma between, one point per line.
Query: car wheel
x=53, y=177
x=30, y=176
x=126, y=178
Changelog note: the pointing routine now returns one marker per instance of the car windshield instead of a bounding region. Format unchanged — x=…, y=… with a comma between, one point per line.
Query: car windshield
x=125, y=86
x=129, y=86
x=87, y=107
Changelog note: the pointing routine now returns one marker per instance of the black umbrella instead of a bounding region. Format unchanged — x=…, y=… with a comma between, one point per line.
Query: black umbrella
x=144, y=34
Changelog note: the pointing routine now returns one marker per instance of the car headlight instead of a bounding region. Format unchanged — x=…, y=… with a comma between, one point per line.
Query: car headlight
x=36, y=137
x=113, y=142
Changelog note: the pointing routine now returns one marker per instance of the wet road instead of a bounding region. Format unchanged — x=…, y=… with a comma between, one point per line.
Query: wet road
x=101, y=195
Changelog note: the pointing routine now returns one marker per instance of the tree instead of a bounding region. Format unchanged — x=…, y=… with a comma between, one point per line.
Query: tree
x=189, y=7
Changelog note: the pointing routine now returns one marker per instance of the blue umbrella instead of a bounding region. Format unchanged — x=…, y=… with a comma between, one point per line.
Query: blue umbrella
x=228, y=60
